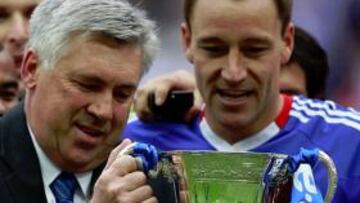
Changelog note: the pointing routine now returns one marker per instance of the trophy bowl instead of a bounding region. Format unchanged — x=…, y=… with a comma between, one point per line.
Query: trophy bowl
x=224, y=177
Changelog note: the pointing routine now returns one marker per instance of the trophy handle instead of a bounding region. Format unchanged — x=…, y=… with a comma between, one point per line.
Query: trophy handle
x=332, y=175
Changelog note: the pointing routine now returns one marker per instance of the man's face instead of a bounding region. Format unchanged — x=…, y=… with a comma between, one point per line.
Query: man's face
x=292, y=80
x=78, y=109
x=14, y=23
x=9, y=83
x=9, y=91
x=237, y=49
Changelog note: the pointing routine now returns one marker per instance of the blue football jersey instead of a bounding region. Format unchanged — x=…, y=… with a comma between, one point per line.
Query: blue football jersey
x=302, y=122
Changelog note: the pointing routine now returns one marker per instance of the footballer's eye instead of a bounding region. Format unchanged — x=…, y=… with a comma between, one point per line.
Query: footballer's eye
x=254, y=50
x=214, y=50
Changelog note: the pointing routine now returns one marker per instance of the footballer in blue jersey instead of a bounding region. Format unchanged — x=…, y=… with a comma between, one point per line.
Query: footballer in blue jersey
x=302, y=122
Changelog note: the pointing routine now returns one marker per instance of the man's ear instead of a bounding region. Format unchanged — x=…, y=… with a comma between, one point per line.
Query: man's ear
x=186, y=41
x=29, y=68
x=288, y=39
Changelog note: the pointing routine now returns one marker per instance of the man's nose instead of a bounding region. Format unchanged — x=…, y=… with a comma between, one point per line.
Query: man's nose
x=234, y=70
x=102, y=107
x=19, y=31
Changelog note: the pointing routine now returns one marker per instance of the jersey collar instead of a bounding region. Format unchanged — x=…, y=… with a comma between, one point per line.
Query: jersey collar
x=253, y=141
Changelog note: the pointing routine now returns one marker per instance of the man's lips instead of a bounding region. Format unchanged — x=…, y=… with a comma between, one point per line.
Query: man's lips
x=91, y=131
x=89, y=137
x=233, y=93
x=234, y=96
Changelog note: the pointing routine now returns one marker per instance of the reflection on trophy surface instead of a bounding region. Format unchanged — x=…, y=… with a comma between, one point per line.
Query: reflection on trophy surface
x=222, y=177
x=227, y=177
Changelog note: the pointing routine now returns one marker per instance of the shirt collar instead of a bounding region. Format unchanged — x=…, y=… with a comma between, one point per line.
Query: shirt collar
x=253, y=141
x=50, y=171
x=244, y=145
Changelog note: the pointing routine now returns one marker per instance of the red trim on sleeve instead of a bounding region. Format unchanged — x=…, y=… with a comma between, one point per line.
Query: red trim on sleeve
x=202, y=111
x=283, y=117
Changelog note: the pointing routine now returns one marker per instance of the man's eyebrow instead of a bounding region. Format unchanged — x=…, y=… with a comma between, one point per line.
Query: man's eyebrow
x=263, y=40
x=98, y=80
x=90, y=78
x=127, y=87
x=250, y=40
x=9, y=84
x=209, y=40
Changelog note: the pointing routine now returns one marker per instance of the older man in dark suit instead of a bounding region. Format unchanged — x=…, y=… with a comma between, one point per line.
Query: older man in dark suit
x=82, y=65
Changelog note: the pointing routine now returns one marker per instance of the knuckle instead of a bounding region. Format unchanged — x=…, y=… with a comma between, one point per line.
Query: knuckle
x=148, y=190
x=124, y=199
x=141, y=177
x=114, y=191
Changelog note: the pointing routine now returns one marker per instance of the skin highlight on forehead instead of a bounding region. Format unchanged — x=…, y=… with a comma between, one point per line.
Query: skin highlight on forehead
x=283, y=10
x=222, y=25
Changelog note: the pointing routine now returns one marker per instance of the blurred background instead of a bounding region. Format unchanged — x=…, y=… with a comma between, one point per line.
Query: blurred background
x=334, y=23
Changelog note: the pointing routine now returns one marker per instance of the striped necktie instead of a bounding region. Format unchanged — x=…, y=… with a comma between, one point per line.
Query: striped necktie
x=63, y=188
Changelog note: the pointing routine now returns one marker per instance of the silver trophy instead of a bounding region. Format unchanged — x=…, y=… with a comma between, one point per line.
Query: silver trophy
x=221, y=177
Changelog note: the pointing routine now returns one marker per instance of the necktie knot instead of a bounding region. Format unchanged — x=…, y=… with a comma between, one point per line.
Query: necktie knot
x=63, y=188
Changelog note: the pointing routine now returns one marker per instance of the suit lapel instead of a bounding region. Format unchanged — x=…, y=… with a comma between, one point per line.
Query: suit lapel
x=17, y=151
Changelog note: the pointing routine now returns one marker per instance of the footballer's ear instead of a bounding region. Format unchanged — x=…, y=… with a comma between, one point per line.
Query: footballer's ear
x=186, y=41
x=288, y=43
x=29, y=68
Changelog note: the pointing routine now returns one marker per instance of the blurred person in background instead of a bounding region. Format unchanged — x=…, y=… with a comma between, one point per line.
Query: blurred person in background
x=349, y=89
x=308, y=68
x=9, y=82
x=14, y=26
x=14, y=33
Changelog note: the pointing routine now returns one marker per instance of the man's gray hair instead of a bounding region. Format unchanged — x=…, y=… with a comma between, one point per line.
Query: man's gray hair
x=55, y=21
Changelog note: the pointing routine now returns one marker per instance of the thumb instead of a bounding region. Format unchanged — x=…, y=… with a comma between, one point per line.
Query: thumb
x=114, y=153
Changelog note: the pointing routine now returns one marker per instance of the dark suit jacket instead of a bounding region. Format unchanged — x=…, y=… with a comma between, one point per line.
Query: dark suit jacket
x=20, y=175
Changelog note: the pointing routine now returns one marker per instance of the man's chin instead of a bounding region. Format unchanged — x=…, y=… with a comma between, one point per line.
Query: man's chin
x=83, y=163
x=235, y=121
